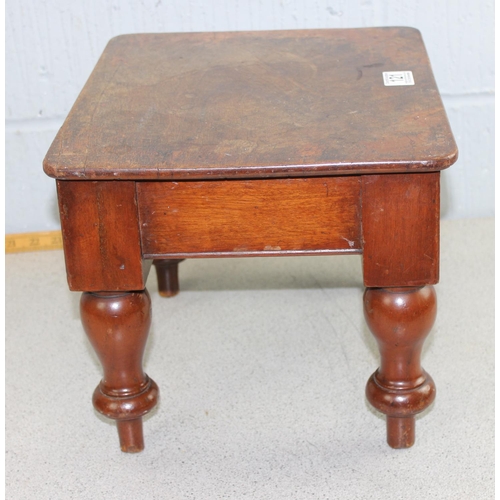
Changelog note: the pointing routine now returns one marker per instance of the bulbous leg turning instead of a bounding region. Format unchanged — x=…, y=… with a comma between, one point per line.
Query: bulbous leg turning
x=400, y=319
x=117, y=325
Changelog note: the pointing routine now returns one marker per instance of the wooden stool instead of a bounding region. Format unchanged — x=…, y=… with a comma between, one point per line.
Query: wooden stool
x=247, y=144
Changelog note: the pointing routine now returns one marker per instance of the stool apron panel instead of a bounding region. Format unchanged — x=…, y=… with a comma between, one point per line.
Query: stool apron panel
x=251, y=217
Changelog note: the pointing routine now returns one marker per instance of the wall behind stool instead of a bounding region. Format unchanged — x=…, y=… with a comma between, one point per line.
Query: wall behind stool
x=52, y=46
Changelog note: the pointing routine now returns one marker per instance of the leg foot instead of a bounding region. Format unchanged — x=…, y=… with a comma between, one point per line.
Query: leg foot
x=117, y=325
x=167, y=273
x=130, y=433
x=400, y=431
x=400, y=319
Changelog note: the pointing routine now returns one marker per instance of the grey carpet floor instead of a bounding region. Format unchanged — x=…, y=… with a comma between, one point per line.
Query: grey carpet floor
x=262, y=365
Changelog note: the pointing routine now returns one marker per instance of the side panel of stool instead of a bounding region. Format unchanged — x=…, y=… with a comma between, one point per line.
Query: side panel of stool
x=101, y=236
x=259, y=217
x=400, y=224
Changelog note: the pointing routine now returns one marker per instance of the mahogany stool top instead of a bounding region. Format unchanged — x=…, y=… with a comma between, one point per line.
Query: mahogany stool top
x=260, y=104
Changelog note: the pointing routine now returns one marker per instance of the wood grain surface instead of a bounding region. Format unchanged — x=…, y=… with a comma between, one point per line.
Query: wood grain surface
x=254, y=104
x=101, y=236
x=400, y=220
x=252, y=217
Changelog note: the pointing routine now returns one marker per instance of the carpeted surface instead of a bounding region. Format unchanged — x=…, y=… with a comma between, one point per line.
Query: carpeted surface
x=262, y=365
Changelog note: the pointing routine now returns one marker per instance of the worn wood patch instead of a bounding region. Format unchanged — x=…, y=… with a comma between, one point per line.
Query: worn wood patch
x=182, y=106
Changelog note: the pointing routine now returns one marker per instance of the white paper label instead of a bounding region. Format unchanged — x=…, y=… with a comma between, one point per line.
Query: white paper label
x=394, y=78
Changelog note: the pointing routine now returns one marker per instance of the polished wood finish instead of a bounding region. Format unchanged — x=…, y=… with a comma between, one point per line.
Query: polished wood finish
x=117, y=326
x=400, y=219
x=167, y=274
x=252, y=217
x=100, y=231
x=260, y=104
x=400, y=319
x=254, y=144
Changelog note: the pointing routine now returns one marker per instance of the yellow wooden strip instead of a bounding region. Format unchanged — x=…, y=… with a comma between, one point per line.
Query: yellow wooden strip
x=33, y=242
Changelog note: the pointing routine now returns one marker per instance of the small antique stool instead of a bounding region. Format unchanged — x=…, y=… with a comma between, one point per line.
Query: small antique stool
x=248, y=144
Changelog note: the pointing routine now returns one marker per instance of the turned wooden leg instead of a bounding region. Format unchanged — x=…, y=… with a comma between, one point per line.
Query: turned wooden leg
x=117, y=325
x=400, y=319
x=167, y=273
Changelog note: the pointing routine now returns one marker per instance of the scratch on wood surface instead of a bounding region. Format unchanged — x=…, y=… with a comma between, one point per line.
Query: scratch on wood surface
x=106, y=85
x=350, y=242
